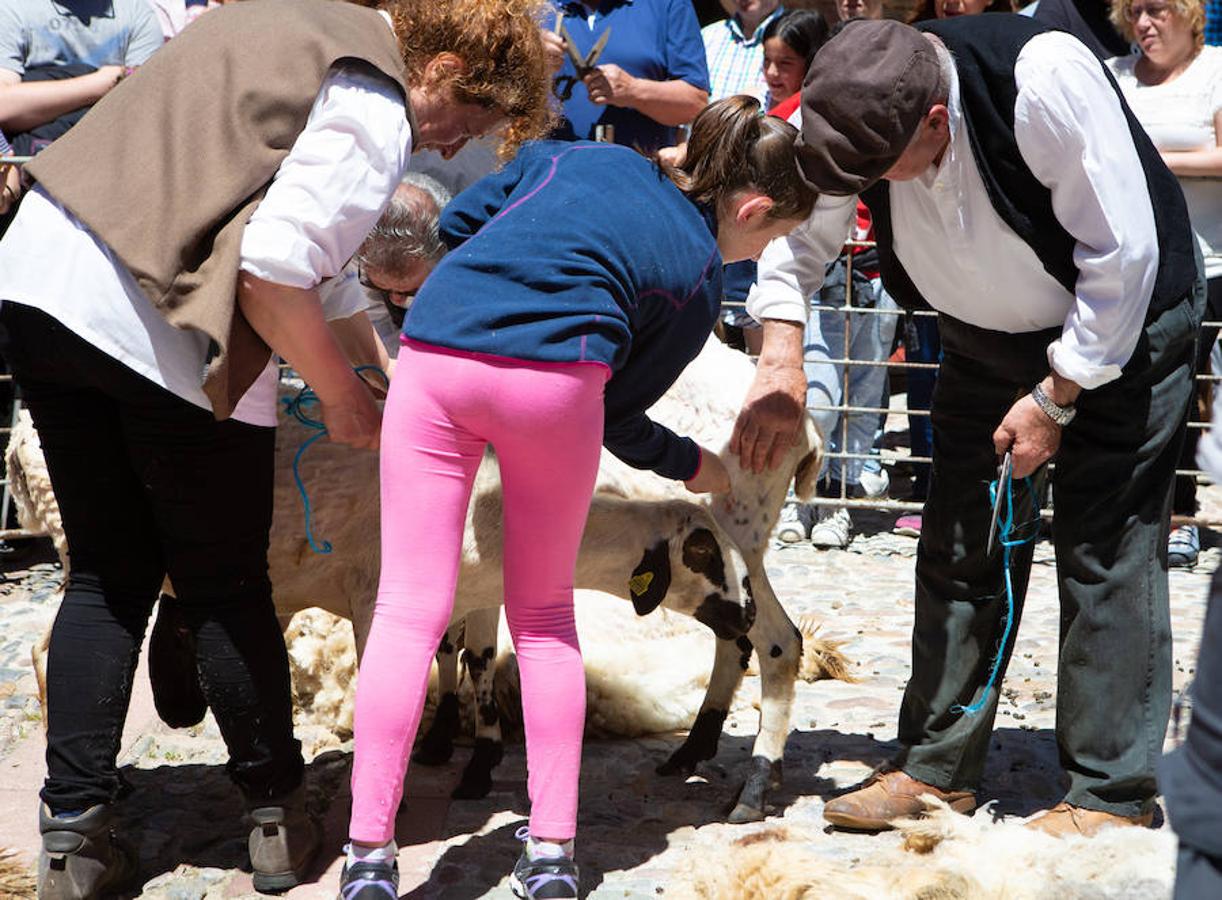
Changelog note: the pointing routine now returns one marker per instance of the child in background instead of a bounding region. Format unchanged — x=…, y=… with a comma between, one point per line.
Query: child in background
x=581, y=280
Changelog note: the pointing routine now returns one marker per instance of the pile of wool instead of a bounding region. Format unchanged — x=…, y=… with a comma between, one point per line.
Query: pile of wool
x=943, y=856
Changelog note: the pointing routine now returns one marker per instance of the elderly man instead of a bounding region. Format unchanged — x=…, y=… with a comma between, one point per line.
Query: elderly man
x=400, y=252
x=1012, y=191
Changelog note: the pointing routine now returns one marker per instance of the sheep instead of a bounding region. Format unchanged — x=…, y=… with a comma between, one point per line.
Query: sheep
x=942, y=856
x=637, y=521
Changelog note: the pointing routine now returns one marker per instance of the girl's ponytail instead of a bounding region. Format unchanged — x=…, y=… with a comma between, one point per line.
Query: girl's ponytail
x=734, y=147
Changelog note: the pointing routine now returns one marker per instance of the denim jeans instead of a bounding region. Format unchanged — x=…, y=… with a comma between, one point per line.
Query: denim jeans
x=870, y=337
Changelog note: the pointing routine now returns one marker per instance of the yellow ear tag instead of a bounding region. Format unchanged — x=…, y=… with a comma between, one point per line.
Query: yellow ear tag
x=639, y=584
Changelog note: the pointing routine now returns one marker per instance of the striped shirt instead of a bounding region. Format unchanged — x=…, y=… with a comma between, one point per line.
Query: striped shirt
x=736, y=62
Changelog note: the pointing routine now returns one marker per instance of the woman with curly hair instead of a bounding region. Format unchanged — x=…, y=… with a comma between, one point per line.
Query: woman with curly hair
x=176, y=238
x=562, y=312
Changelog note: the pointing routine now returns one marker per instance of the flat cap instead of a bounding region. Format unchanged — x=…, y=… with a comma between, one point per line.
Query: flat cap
x=865, y=93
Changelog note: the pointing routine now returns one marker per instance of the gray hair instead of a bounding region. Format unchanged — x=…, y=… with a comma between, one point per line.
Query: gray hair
x=408, y=228
x=946, y=68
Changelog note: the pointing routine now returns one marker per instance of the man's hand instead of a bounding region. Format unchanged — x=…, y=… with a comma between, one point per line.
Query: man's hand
x=611, y=85
x=1027, y=431
x=553, y=48
x=772, y=414
x=712, y=477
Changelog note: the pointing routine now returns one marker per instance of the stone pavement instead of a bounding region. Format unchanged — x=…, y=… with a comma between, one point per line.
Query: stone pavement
x=637, y=829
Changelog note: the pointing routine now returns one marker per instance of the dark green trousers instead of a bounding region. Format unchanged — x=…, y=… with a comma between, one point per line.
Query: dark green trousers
x=1113, y=479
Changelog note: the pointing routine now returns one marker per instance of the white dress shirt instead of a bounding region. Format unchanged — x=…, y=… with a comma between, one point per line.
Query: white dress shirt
x=325, y=197
x=968, y=263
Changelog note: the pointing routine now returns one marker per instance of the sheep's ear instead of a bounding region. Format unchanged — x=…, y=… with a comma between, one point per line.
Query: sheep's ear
x=650, y=579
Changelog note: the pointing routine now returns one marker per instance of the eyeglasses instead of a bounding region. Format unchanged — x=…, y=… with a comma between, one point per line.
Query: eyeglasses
x=1155, y=12
x=402, y=299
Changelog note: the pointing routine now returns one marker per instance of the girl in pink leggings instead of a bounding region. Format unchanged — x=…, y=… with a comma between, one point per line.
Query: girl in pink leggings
x=582, y=278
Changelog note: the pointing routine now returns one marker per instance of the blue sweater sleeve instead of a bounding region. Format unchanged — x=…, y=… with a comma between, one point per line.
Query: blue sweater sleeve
x=467, y=213
x=644, y=444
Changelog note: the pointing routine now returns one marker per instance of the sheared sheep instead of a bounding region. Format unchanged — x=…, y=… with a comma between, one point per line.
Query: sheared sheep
x=639, y=525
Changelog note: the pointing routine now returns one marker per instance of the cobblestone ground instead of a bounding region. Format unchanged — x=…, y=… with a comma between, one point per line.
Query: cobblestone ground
x=637, y=830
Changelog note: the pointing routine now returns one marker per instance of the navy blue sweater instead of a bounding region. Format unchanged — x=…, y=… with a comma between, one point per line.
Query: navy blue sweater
x=582, y=252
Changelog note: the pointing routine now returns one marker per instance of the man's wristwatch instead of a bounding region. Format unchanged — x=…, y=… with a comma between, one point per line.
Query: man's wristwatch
x=1062, y=415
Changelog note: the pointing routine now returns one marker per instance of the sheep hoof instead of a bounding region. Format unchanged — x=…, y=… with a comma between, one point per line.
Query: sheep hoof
x=701, y=744
x=476, y=782
x=765, y=775
x=437, y=745
x=177, y=696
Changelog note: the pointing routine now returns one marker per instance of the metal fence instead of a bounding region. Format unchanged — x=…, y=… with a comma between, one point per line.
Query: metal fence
x=892, y=457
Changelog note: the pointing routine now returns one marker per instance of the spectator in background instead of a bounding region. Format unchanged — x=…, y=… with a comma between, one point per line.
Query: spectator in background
x=40, y=33
x=1173, y=84
x=175, y=15
x=1213, y=23
x=651, y=77
x=859, y=9
x=948, y=9
x=734, y=48
x=400, y=252
x=1087, y=20
x=56, y=60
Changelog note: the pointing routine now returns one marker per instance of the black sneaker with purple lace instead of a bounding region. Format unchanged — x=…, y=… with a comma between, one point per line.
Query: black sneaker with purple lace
x=370, y=880
x=542, y=878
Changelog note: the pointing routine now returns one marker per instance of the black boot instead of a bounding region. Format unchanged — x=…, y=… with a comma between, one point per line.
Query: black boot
x=282, y=843
x=81, y=858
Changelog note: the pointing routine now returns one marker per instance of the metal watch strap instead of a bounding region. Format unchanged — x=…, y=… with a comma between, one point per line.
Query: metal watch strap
x=1062, y=415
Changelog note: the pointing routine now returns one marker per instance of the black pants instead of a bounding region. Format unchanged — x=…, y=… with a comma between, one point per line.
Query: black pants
x=1191, y=777
x=1184, y=497
x=150, y=485
x=1112, y=497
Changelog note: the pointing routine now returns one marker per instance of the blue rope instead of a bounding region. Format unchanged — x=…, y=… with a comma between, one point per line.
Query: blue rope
x=296, y=407
x=1005, y=532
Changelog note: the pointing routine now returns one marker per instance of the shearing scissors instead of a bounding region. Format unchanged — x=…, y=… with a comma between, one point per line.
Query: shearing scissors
x=563, y=85
x=1003, y=490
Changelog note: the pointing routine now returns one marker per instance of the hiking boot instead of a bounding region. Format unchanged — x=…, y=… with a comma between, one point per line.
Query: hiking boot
x=370, y=880
x=833, y=531
x=888, y=796
x=1065, y=820
x=793, y=525
x=1183, y=547
x=282, y=843
x=81, y=857
x=551, y=877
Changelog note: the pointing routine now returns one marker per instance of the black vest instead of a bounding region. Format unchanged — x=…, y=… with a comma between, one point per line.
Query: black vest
x=985, y=49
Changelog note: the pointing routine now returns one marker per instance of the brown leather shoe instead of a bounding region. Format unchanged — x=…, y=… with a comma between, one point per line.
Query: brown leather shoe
x=888, y=796
x=1065, y=819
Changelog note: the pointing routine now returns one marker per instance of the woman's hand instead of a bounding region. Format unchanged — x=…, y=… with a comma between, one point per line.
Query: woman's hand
x=352, y=417
x=711, y=477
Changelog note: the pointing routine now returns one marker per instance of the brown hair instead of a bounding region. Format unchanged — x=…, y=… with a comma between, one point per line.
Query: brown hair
x=500, y=43
x=925, y=11
x=1190, y=11
x=733, y=147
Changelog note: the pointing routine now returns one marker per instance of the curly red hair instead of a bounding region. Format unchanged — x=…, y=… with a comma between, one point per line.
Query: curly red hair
x=500, y=43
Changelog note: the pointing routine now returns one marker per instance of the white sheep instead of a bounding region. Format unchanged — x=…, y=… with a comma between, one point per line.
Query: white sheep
x=638, y=522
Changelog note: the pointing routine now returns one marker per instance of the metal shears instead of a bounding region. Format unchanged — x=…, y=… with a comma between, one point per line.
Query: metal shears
x=563, y=85
x=1000, y=497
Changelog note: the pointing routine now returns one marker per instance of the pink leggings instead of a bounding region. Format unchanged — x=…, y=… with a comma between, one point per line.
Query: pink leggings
x=545, y=422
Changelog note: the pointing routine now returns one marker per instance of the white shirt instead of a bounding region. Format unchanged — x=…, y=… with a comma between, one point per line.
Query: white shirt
x=969, y=264
x=325, y=197
x=1179, y=115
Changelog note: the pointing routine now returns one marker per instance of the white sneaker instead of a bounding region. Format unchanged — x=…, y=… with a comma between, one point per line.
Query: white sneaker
x=794, y=523
x=875, y=484
x=833, y=530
